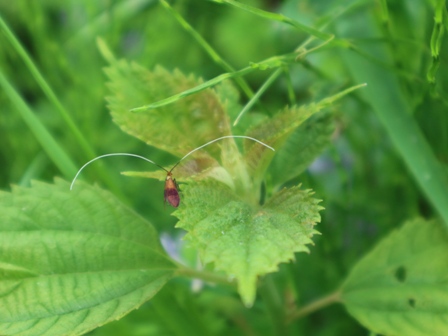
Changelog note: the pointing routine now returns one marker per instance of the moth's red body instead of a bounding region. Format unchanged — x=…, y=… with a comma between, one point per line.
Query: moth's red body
x=171, y=191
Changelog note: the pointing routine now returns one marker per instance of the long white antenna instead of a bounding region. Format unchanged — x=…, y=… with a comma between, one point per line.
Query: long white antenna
x=112, y=154
x=223, y=137
x=150, y=161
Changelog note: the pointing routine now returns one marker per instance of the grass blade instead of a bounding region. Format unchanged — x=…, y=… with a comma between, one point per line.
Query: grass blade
x=46, y=140
x=208, y=48
x=385, y=96
x=272, y=62
x=255, y=98
x=85, y=146
x=280, y=18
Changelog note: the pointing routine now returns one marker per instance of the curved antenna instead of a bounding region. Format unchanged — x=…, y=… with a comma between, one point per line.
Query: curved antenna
x=113, y=154
x=223, y=137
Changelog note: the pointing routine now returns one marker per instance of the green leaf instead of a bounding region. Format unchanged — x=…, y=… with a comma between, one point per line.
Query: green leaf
x=400, y=288
x=176, y=128
x=276, y=130
x=243, y=239
x=301, y=148
x=72, y=261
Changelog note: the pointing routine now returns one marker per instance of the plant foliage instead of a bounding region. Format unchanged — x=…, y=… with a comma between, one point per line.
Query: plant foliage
x=174, y=76
x=224, y=222
x=399, y=288
x=72, y=261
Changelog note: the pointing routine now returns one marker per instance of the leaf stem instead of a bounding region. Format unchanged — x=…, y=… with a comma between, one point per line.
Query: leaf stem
x=272, y=62
x=260, y=91
x=205, y=275
x=314, y=306
x=275, y=307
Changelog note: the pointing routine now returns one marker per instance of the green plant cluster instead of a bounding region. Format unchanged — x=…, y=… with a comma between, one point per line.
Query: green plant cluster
x=349, y=165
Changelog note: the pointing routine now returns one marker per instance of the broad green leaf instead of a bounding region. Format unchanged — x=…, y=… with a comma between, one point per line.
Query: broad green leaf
x=72, y=261
x=176, y=128
x=401, y=287
x=301, y=148
x=243, y=239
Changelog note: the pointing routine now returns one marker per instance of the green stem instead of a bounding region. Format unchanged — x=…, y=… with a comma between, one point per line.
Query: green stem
x=260, y=91
x=272, y=298
x=208, y=48
x=272, y=62
x=315, y=306
x=289, y=86
x=191, y=91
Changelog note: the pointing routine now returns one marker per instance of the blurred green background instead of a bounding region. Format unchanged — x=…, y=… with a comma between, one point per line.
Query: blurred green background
x=365, y=185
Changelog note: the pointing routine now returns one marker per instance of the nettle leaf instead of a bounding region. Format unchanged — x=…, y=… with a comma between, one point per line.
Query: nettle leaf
x=72, y=261
x=301, y=148
x=245, y=240
x=176, y=128
x=274, y=131
x=401, y=287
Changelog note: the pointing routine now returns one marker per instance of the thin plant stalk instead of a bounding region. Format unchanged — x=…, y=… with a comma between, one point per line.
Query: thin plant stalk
x=257, y=95
x=208, y=48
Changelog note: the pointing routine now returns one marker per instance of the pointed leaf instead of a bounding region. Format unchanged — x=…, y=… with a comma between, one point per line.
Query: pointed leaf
x=276, y=130
x=175, y=128
x=72, y=261
x=400, y=288
x=301, y=148
x=243, y=239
